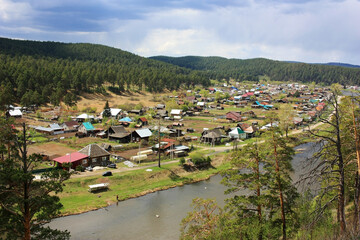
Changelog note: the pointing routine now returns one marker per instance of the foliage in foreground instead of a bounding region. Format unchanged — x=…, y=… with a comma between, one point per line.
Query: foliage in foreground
x=26, y=204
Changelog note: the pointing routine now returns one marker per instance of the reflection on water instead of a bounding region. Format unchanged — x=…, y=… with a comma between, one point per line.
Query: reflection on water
x=136, y=218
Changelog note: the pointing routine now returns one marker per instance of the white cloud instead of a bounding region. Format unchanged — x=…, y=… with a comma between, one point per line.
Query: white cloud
x=11, y=12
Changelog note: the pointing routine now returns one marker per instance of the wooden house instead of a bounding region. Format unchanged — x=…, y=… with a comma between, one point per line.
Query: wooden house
x=233, y=116
x=76, y=159
x=213, y=136
x=86, y=128
x=97, y=156
x=118, y=134
x=143, y=121
x=70, y=126
x=141, y=134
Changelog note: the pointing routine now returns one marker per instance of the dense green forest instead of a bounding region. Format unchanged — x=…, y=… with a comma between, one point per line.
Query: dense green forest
x=222, y=68
x=40, y=72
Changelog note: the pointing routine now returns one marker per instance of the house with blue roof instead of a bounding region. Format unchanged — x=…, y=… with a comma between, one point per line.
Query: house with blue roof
x=86, y=128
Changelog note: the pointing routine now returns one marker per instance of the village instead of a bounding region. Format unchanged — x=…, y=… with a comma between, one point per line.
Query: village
x=223, y=115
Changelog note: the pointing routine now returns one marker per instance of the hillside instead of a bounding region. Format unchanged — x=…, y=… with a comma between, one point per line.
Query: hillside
x=250, y=69
x=34, y=72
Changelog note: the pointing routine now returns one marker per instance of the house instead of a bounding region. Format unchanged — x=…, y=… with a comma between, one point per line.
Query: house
x=76, y=159
x=213, y=136
x=297, y=121
x=141, y=134
x=97, y=156
x=45, y=130
x=118, y=134
x=115, y=113
x=106, y=146
x=250, y=131
x=14, y=113
x=125, y=119
x=51, y=130
x=161, y=113
x=201, y=104
x=176, y=113
x=237, y=133
x=70, y=126
x=160, y=106
x=166, y=144
x=233, y=116
x=137, y=112
x=143, y=121
x=84, y=117
x=86, y=128
x=56, y=128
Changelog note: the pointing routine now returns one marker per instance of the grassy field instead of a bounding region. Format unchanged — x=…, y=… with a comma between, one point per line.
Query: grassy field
x=77, y=199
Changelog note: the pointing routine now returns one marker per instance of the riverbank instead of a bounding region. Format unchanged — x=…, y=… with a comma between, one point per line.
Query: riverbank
x=131, y=184
x=134, y=183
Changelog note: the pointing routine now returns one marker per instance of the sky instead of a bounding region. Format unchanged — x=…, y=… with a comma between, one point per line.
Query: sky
x=317, y=31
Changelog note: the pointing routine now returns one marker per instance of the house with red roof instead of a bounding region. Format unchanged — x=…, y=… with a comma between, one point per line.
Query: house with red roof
x=143, y=121
x=76, y=159
x=233, y=116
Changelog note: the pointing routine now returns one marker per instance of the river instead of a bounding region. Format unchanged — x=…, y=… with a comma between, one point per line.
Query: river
x=136, y=218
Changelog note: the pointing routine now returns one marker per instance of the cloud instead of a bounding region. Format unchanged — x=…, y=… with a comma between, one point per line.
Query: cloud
x=300, y=30
x=12, y=12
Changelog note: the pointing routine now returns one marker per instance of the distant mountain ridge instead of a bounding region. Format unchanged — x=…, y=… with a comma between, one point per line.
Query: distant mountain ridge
x=339, y=64
x=342, y=64
x=223, y=68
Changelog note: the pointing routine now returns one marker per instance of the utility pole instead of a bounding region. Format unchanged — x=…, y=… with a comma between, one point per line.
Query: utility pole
x=159, y=142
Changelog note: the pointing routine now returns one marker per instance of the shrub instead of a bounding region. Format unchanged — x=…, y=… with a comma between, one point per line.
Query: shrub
x=79, y=168
x=199, y=160
x=182, y=161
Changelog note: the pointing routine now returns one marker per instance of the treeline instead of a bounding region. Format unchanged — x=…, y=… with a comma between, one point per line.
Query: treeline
x=42, y=72
x=222, y=68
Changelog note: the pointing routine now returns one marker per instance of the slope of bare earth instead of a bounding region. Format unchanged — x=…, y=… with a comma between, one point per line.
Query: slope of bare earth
x=98, y=100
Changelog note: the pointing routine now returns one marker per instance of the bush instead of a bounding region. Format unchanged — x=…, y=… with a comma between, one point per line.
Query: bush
x=182, y=161
x=79, y=168
x=199, y=160
x=89, y=109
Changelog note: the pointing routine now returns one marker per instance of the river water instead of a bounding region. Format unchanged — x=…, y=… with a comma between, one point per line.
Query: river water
x=136, y=218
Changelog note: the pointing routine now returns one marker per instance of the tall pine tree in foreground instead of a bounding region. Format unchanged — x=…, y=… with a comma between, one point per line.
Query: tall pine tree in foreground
x=26, y=204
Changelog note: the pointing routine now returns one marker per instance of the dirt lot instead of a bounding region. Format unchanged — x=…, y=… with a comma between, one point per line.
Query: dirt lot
x=53, y=150
x=98, y=101
x=133, y=152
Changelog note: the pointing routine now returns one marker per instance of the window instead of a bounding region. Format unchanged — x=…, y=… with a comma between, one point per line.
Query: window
x=104, y=158
x=84, y=161
x=94, y=160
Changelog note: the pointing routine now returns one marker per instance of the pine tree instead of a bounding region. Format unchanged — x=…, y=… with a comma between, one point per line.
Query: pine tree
x=249, y=183
x=26, y=205
x=107, y=111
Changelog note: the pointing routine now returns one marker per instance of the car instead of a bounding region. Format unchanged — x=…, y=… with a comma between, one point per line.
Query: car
x=111, y=165
x=89, y=169
x=107, y=173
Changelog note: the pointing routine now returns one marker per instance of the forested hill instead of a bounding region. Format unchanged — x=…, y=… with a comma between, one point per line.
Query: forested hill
x=34, y=72
x=239, y=69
